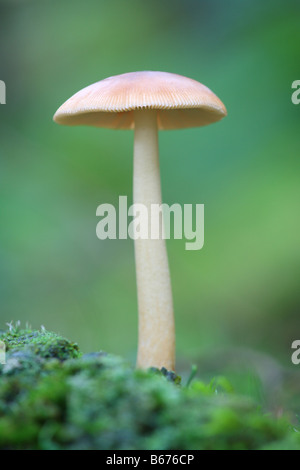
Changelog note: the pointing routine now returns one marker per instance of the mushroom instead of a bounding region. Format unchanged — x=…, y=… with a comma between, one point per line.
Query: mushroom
x=147, y=102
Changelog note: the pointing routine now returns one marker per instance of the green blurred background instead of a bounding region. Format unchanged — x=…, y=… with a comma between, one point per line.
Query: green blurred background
x=241, y=291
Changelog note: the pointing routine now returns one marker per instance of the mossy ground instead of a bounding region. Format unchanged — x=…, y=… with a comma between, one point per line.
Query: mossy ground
x=53, y=397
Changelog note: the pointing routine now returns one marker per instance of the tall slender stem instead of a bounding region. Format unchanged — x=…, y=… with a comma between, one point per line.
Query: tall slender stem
x=156, y=345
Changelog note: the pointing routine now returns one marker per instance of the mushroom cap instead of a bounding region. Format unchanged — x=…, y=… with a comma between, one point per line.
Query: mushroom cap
x=180, y=102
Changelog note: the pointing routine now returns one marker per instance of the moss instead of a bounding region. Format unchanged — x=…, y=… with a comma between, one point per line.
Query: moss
x=42, y=343
x=52, y=397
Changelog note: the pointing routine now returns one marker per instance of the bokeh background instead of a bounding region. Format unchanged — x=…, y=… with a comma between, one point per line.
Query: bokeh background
x=241, y=291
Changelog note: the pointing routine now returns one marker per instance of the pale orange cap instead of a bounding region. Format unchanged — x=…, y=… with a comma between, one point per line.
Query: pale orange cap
x=180, y=102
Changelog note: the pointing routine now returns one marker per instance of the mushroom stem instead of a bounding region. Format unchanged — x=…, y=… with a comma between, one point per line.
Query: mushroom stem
x=156, y=344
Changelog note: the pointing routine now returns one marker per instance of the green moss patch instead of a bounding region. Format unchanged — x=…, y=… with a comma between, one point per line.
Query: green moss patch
x=52, y=397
